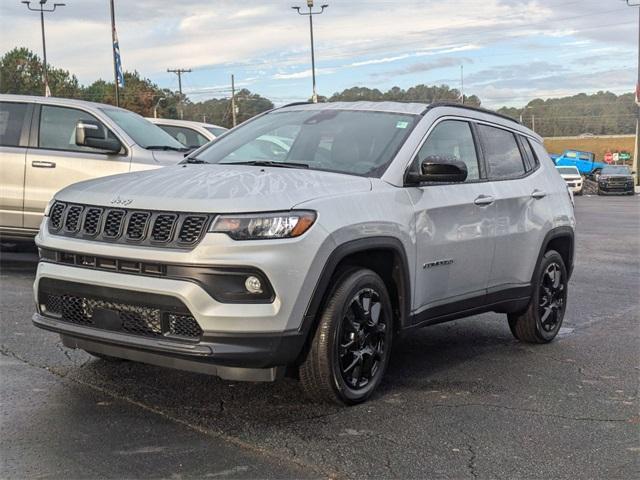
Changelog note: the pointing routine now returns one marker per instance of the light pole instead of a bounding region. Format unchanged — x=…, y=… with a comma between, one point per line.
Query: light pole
x=634, y=165
x=310, y=14
x=42, y=10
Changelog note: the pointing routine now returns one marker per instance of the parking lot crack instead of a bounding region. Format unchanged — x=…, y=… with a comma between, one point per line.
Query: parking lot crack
x=527, y=411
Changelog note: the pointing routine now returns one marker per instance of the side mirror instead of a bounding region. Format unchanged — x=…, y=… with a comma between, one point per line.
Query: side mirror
x=441, y=169
x=90, y=133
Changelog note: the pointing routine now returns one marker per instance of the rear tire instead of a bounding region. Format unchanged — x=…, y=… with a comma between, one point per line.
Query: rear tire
x=542, y=319
x=352, y=344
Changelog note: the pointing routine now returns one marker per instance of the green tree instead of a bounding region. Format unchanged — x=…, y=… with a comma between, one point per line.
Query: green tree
x=21, y=73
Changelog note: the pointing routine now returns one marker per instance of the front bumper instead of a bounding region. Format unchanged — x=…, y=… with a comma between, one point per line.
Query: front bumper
x=616, y=189
x=249, y=357
x=241, y=341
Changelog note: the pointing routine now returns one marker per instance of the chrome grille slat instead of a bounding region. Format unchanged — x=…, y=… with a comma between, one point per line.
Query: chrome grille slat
x=130, y=226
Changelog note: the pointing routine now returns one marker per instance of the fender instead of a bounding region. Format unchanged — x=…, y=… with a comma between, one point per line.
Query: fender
x=558, y=232
x=340, y=253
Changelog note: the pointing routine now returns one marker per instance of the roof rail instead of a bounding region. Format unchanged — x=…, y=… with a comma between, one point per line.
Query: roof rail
x=293, y=104
x=469, y=107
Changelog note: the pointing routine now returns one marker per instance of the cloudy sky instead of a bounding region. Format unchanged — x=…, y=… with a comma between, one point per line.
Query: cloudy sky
x=512, y=51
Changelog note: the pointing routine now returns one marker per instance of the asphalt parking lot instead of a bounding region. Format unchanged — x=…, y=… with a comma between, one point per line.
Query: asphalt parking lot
x=461, y=400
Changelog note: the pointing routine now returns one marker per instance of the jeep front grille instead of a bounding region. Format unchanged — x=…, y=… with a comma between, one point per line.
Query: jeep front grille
x=137, y=227
x=147, y=321
x=92, y=221
x=163, y=228
x=56, y=215
x=72, y=220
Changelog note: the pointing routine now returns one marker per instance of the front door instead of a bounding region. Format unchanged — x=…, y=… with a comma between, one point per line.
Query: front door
x=454, y=225
x=58, y=161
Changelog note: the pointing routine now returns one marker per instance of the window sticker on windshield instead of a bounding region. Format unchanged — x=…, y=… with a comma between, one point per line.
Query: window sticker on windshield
x=402, y=124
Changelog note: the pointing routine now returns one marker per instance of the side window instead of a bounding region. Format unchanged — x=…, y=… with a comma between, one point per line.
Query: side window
x=530, y=159
x=501, y=153
x=452, y=138
x=11, y=120
x=186, y=136
x=58, y=128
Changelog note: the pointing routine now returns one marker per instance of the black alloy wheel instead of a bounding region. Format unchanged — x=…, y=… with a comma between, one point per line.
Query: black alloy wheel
x=362, y=336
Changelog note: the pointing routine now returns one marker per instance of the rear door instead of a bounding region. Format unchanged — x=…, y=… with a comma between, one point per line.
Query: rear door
x=522, y=210
x=15, y=118
x=55, y=160
x=454, y=226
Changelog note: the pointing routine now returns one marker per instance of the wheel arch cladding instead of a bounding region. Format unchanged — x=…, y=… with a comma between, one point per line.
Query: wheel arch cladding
x=560, y=239
x=384, y=255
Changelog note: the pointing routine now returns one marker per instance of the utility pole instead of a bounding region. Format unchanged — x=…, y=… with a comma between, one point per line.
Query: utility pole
x=42, y=10
x=310, y=14
x=634, y=165
x=462, y=83
x=179, y=72
x=233, y=101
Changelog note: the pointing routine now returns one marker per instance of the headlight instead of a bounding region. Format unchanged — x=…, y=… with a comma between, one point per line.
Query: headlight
x=264, y=226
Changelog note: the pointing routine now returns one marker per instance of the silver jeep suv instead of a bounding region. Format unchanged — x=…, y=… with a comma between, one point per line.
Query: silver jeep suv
x=251, y=262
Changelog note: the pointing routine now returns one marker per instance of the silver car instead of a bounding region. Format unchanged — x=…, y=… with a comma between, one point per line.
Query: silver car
x=49, y=143
x=249, y=265
x=189, y=133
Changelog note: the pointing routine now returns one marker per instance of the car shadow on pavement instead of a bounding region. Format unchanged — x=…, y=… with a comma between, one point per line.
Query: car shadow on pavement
x=235, y=406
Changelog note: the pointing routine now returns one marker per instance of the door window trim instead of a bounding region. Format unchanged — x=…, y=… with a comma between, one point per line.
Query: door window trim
x=34, y=138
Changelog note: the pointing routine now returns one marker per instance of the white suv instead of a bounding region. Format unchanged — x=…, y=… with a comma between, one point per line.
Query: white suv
x=250, y=263
x=49, y=143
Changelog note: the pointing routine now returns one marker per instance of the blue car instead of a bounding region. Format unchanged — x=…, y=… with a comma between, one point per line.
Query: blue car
x=583, y=161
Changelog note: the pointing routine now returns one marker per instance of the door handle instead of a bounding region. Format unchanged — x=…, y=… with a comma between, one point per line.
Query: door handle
x=484, y=200
x=538, y=194
x=41, y=164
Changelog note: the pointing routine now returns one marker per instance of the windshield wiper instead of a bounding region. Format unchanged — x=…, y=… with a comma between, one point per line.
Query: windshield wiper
x=193, y=160
x=270, y=163
x=167, y=147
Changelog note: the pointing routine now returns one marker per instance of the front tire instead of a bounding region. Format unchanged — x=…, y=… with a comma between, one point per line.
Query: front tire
x=542, y=319
x=352, y=343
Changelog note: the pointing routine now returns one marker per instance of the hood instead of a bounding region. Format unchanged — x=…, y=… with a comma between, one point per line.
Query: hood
x=616, y=175
x=167, y=157
x=213, y=188
x=571, y=176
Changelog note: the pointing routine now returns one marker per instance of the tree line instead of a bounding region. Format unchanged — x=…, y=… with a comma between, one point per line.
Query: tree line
x=602, y=113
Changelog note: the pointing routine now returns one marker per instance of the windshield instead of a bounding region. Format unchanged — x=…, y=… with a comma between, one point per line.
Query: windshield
x=616, y=170
x=217, y=131
x=568, y=171
x=345, y=141
x=143, y=132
